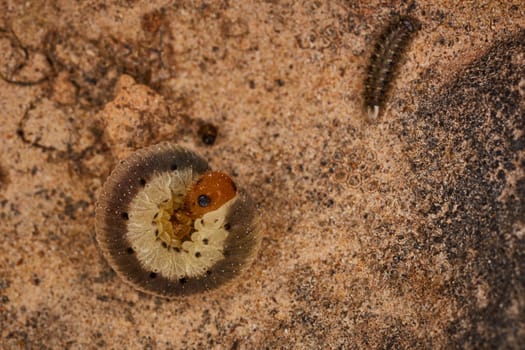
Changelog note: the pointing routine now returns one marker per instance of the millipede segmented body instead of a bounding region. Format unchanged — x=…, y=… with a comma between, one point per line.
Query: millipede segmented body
x=384, y=60
x=170, y=226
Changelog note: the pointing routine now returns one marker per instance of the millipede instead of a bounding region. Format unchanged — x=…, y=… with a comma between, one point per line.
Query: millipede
x=388, y=49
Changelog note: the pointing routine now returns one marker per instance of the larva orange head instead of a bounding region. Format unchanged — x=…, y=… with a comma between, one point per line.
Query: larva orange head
x=208, y=193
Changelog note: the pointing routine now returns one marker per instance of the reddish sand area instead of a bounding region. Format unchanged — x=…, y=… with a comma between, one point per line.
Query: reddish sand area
x=404, y=231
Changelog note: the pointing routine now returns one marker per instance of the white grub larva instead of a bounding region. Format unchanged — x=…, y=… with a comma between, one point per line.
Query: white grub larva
x=385, y=57
x=170, y=226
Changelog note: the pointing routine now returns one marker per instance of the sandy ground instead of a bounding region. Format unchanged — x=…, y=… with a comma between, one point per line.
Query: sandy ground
x=403, y=232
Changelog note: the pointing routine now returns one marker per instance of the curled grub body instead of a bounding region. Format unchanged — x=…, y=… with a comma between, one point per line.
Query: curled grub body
x=170, y=226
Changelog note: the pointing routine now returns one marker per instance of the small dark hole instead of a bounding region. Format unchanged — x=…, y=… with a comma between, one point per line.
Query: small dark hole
x=227, y=227
x=156, y=233
x=152, y=275
x=129, y=250
x=164, y=245
x=205, y=241
x=182, y=280
x=173, y=166
x=208, y=140
x=156, y=214
x=124, y=216
x=36, y=280
x=208, y=133
x=197, y=254
x=208, y=272
x=177, y=249
x=142, y=182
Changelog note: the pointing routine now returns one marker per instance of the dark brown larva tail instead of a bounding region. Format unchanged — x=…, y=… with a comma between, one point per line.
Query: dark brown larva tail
x=387, y=51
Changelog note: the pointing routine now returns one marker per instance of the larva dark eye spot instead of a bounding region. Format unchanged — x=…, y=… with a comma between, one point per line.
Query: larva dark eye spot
x=204, y=200
x=163, y=237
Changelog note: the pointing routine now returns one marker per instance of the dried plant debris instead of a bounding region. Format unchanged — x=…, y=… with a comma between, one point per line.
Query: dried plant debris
x=19, y=65
x=172, y=227
x=384, y=60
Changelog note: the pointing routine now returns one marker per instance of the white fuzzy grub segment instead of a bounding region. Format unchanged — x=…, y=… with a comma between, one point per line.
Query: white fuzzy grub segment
x=189, y=258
